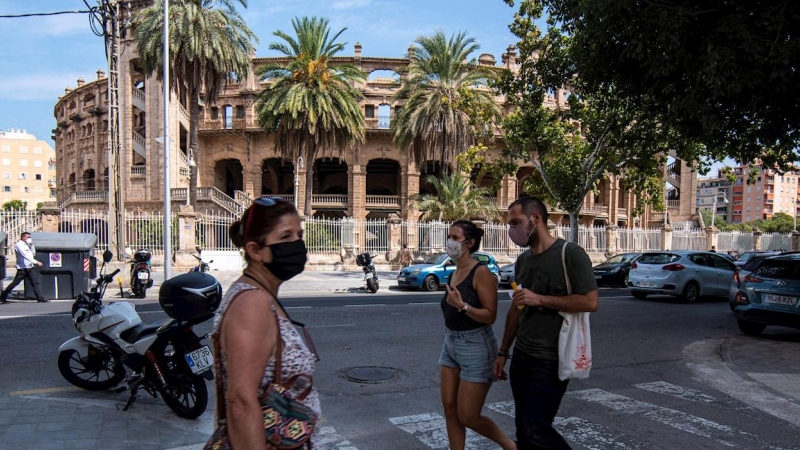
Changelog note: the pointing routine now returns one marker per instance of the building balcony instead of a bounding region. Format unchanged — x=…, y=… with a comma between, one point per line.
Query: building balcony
x=139, y=170
x=329, y=200
x=387, y=201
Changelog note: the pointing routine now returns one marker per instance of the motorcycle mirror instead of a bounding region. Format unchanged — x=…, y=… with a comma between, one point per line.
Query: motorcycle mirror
x=211, y=262
x=107, y=256
x=197, y=247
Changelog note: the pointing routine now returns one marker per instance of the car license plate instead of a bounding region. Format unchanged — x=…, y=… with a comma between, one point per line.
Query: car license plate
x=401, y=278
x=599, y=277
x=646, y=284
x=143, y=276
x=200, y=360
x=780, y=299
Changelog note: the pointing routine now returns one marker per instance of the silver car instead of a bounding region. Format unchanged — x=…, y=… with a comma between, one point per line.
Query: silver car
x=686, y=274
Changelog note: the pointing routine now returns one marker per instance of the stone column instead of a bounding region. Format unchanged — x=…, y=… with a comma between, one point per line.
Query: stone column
x=611, y=240
x=409, y=180
x=757, y=239
x=479, y=224
x=712, y=236
x=300, y=195
x=51, y=216
x=666, y=237
x=394, y=235
x=796, y=241
x=258, y=176
x=508, y=192
x=186, y=237
x=357, y=191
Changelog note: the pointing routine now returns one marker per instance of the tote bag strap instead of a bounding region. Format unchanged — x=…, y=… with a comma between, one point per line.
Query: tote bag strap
x=564, y=265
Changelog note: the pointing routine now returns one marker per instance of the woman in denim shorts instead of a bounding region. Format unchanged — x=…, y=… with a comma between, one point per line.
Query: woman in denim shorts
x=470, y=347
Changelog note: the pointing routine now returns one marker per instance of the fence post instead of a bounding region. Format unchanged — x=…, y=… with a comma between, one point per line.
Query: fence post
x=611, y=240
x=480, y=224
x=50, y=217
x=757, y=239
x=348, y=240
x=186, y=237
x=666, y=237
x=712, y=236
x=393, y=234
x=796, y=241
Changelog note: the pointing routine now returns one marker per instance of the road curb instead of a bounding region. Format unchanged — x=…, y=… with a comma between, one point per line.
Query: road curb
x=705, y=359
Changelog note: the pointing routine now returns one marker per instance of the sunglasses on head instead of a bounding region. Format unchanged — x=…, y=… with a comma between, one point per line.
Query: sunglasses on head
x=261, y=201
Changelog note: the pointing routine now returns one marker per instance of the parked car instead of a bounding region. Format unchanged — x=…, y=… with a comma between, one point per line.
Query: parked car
x=686, y=274
x=744, y=257
x=770, y=295
x=507, y=275
x=614, y=271
x=436, y=270
x=752, y=263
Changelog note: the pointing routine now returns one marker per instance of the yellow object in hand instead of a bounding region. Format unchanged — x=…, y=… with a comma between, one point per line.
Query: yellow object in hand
x=516, y=288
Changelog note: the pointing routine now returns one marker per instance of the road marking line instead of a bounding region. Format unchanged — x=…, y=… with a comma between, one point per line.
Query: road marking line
x=671, y=417
x=333, y=326
x=582, y=432
x=367, y=305
x=329, y=439
x=662, y=387
x=431, y=430
x=44, y=391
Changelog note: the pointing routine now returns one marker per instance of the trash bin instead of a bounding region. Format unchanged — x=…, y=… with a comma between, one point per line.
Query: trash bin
x=3, y=262
x=67, y=260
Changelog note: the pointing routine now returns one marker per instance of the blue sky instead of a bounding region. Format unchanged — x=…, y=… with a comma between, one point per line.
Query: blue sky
x=41, y=56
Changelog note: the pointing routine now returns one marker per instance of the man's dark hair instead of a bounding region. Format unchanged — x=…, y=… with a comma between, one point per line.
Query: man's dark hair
x=24, y=233
x=531, y=205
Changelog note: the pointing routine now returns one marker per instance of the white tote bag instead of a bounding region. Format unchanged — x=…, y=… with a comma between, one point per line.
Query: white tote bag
x=575, y=338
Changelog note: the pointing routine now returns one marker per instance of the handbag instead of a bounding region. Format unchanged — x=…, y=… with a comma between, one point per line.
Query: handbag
x=288, y=423
x=574, y=339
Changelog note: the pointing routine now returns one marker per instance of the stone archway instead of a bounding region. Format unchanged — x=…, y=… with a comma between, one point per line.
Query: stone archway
x=383, y=177
x=430, y=168
x=330, y=176
x=277, y=177
x=229, y=176
x=88, y=180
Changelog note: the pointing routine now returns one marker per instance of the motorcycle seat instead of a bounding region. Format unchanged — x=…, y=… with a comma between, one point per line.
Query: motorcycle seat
x=141, y=331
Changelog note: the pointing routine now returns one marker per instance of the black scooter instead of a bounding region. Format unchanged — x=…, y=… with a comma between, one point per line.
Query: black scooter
x=371, y=281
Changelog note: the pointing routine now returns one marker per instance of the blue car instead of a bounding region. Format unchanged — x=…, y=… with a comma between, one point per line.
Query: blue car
x=770, y=295
x=436, y=270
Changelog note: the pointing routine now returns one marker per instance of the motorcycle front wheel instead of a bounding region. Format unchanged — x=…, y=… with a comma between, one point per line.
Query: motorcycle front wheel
x=186, y=395
x=372, y=285
x=98, y=371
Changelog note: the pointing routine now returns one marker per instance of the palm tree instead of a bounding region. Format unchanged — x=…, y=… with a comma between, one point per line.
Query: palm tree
x=209, y=45
x=310, y=106
x=443, y=113
x=456, y=198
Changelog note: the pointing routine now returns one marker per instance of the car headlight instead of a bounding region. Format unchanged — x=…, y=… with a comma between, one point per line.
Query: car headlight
x=415, y=272
x=616, y=269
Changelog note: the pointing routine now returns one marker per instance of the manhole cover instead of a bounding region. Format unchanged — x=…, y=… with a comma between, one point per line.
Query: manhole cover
x=370, y=374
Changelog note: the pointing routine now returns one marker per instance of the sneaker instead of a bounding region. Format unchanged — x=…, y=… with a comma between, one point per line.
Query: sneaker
x=42, y=300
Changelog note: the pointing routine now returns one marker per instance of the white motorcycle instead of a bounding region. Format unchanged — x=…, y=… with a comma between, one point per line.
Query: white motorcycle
x=165, y=357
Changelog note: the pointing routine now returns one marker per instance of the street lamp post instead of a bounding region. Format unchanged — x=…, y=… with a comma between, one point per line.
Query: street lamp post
x=297, y=170
x=167, y=196
x=714, y=211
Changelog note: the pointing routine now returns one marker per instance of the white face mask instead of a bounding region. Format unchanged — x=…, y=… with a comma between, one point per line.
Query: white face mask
x=29, y=241
x=454, y=249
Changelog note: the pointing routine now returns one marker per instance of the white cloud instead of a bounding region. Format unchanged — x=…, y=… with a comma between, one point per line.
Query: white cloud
x=350, y=4
x=39, y=86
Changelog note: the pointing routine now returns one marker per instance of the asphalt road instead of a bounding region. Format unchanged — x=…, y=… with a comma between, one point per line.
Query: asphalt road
x=641, y=395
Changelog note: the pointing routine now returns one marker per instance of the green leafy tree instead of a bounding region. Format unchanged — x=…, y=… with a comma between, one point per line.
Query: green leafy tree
x=443, y=113
x=209, y=45
x=311, y=105
x=456, y=198
x=723, y=73
x=598, y=132
x=15, y=205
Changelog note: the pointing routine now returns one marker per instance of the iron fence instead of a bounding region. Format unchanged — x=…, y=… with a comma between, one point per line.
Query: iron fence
x=638, y=239
x=736, y=241
x=14, y=223
x=689, y=239
x=776, y=241
x=212, y=231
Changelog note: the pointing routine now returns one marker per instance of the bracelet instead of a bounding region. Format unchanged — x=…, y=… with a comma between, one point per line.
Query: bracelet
x=465, y=309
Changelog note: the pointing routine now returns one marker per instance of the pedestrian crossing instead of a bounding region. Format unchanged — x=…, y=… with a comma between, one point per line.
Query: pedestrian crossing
x=602, y=424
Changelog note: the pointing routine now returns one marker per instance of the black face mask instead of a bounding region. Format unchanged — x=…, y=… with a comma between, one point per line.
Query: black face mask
x=288, y=259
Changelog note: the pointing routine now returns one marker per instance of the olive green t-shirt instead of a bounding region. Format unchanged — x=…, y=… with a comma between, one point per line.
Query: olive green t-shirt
x=543, y=274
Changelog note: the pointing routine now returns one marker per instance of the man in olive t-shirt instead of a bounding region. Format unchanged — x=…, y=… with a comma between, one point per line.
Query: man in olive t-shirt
x=534, y=322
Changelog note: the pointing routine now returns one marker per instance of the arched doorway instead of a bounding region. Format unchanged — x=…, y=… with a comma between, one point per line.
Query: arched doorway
x=431, y=168
x=330, y=176
x=229, y=176
x=88, y=180
x=277, y=177
x=383, y=177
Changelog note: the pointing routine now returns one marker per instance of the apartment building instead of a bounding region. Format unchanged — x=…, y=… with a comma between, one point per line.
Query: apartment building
x=771, y=193
x=717, y=187
x=28, y=168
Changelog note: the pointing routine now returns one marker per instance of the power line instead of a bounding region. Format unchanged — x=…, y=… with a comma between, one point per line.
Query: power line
x=17, y=16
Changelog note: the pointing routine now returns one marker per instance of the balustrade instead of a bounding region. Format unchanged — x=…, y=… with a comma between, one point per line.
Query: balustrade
x=329, y=199
x=383, y=200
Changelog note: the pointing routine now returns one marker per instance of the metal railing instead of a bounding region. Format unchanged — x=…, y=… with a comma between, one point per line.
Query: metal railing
x=691, y=239
x=735, y=241
x=776, y=241
x=15, y=222
x=638, y=239
x=212, y=231
x=384, y=122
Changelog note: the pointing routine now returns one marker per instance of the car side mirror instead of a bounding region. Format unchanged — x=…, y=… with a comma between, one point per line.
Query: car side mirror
x=107, y=256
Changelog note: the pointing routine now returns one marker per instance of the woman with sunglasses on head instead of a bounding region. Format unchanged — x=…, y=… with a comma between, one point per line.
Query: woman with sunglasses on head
x=470, y=346
x=269, y=232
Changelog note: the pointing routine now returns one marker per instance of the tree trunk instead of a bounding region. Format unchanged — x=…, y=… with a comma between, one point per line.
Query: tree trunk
x=574, y=225
x=194, y=132
x=309, y=161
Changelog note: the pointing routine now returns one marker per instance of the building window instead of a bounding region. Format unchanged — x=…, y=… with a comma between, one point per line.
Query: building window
x=6, y=175
x=228, y=110
x=240, y=112
x=37, y=190
x=6, y=188
x=37, y=150
x=6, y=162
x=37, y=163
x=23, y=163
x=38, y=177
x=747, y=219
x=23, y=150
x=26, y=189
x=214, y=113
x=369, y=112
x=748, y=199
x=23, y=176
x=6, y=149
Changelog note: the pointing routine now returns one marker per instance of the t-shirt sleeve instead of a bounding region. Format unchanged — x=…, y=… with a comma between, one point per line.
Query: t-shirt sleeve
x=579, y=267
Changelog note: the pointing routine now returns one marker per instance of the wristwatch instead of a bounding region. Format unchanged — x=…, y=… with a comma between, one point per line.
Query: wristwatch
x=465, y=309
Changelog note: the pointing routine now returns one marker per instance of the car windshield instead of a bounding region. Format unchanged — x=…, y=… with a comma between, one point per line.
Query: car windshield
x=623, y=258
x=752, y=263
x=437, y=258
x=658, y=258
x=785, y=269
x=746, y=256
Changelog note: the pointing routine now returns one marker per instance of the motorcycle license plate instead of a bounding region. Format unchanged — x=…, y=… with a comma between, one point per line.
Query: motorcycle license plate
x=368, y=275
x=200, y=360
x=143, y=276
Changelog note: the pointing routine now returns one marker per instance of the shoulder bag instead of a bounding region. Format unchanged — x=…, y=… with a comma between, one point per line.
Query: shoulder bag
x=574, y=339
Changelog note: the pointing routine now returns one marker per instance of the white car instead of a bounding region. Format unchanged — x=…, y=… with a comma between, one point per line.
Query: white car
x=686, y=274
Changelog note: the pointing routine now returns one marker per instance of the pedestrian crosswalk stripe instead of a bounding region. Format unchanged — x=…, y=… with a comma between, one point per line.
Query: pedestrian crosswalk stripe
x=431, y=430
x=662, y=387
x=582, y=432
x=674, y=418
x=329, y=439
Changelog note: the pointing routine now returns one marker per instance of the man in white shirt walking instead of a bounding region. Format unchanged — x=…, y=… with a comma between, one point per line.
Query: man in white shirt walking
x=26, y=267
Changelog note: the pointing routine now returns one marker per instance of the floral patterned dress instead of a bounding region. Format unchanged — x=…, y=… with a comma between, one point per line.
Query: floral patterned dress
x=296, y=358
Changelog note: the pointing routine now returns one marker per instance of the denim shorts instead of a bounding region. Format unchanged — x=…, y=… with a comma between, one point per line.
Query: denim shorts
x=473, y=352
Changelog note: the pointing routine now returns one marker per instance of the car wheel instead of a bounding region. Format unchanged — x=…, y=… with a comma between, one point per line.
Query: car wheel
x=691, y=292
x=430, y=283
x=750, y=328
x=732, y=305
x=639, y=294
